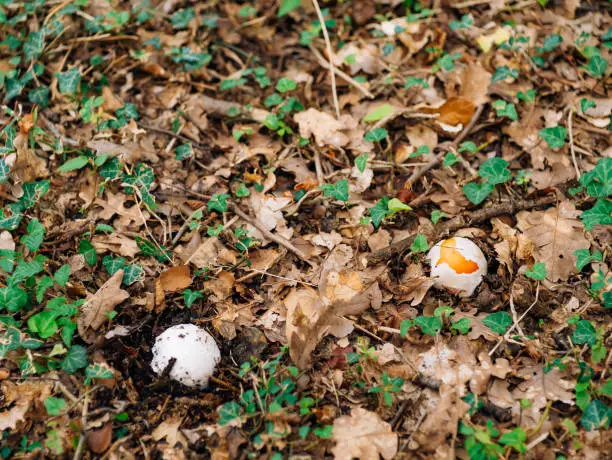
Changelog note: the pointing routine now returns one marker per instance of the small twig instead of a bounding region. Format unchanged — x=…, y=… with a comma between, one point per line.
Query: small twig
x=318, y=167
x=515, y=316
x=331, y=57
x=416, y=175
x=174, y=135
x=516, y=322
x=81, y=445
x=271, y=236
x=347, y=78
x=570, y=117
x=444, y=228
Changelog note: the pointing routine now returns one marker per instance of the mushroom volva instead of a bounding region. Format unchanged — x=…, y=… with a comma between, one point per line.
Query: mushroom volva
x=457, y=265
x=195, y=353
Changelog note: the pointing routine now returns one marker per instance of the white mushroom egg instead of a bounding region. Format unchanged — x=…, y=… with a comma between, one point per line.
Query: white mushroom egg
x=457, y=265
x=195, y=351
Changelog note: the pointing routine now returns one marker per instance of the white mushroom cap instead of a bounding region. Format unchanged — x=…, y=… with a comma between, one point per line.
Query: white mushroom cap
x=195, y=351
x=458, y=265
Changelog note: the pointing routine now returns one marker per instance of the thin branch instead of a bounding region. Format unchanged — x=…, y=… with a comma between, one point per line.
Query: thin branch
x=570, y=117
x=462, y=221
x=271, y=236
x=416, y=175
x=516, y=323
x=346, y=77
x=331, y=57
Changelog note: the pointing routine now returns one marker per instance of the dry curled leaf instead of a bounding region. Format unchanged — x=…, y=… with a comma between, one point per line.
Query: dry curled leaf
x=95, y=310
x=556, y=233
x=175, y=279
x=363, y=435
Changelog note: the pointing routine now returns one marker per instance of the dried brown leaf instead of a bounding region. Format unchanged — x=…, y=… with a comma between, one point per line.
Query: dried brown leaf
x=94, y=312
x=363, y=435
x=556, y=233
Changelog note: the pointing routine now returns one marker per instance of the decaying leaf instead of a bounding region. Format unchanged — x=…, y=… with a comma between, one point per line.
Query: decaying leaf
x=170, y=430
x=175, y=279
x=94, y=312
x=363, y=435
x=312, y=315
x=556, y=233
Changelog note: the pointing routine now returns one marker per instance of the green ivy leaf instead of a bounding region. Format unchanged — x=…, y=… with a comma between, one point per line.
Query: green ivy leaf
x=181, y=18
x=43, y=284
x=97, y=371
x=468, y=146
x=285, y=85
x=228, y=412
x=376, y=135
x=112, y=265
x=505, y=109
x=54, y=405
x=88, y=251
x=74, y=164
x=13, y=298
x=516, y=439
x=27, y=269
x=495, y=171
x=596, y=67
x=397, y=205
x=339, y=190
x=597, y=415
x=242, y=191
x=436, y=215
x=537, y=271
x=586, y=104
x=43, y=324
x=550, y=43
x=132, y=273
x=554, y=137
x=69, y=81
x=379, y=211
x=584, y=333
x=218, y=202
x=40, y=96
x=4, y=171
x=477, y=193
x=75, y=359
x=378, y=113
x=584, y=257
x=414, y=81
x=600, y=214
x=429, y=325
x=190, y=297
x=34, y=45
x=361, y=162
x=462, y=326
x=32, y=192
x=183, y=151
x=405, y=325
x=35, y=236
x=419, y=244
x=62, y=274
x=287, y=7
x=498, y=322
x=450, y=159
x=598, y=181
x=324, y=432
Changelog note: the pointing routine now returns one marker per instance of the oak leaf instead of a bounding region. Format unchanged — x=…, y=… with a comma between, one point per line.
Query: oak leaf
x=363, y=435
x=96, y=308
x=556, y=233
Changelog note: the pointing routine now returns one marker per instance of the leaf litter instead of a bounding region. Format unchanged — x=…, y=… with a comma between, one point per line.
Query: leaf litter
x=275, y=172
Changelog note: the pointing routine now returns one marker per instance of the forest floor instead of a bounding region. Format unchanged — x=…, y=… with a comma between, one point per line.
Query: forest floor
x=171, y=161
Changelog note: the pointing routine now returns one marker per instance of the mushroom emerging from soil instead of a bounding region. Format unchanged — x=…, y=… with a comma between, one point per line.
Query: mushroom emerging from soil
x=190, y=350
x=457, y=265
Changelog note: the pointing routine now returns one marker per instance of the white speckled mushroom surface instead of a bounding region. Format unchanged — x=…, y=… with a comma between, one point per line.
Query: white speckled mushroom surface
x=195, y=351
